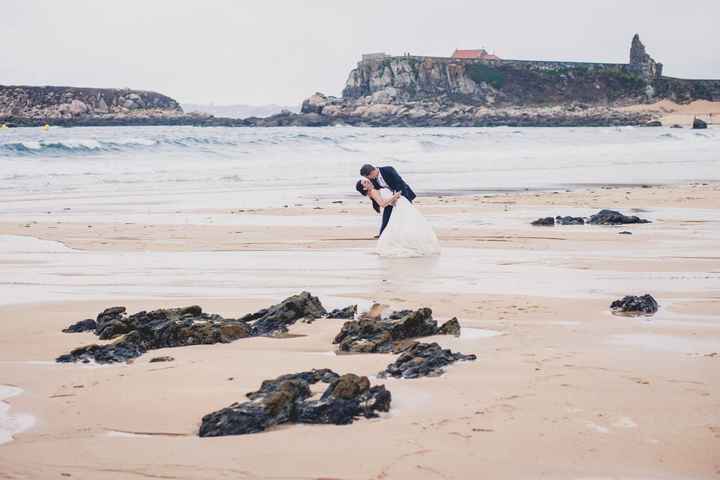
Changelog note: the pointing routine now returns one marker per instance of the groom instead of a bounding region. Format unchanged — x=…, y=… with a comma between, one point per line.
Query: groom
x=387, y=177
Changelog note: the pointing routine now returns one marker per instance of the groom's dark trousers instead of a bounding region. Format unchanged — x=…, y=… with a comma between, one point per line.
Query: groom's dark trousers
x=396, y=184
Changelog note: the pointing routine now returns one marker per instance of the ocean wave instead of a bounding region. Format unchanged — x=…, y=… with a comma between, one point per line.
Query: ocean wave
x=67, y=147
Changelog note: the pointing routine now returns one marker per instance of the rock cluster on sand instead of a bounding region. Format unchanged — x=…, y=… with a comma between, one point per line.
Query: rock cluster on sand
x=603, y=217
x=422, y=360
x=288, y=399
x=346, y=313
x=379, y=335
x=176, y=327
x=638, y=305
x=612, y=217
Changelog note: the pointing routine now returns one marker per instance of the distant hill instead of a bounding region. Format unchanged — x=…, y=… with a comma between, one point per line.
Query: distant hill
x=238, y=111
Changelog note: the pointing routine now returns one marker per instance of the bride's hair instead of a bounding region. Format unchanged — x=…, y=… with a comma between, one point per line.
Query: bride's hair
x=361, y=188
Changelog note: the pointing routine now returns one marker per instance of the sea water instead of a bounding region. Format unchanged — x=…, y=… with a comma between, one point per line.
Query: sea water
x=94, y=174
x=181, y=175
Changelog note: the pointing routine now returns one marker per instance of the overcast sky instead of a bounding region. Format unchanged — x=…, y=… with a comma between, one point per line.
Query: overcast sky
x=273, y=51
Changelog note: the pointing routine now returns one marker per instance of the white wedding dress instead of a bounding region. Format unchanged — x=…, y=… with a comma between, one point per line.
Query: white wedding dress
x=408, y=233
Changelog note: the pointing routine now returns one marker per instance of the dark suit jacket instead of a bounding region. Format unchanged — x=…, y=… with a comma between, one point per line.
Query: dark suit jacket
x=396, y=183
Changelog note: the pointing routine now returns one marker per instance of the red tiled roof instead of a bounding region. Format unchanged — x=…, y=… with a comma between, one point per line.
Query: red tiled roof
x=481, y=54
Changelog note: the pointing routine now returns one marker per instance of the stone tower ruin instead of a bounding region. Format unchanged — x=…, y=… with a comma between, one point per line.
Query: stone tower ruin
x=642, y=63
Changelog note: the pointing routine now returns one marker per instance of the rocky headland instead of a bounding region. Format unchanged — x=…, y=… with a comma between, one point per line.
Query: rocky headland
x=409, y=91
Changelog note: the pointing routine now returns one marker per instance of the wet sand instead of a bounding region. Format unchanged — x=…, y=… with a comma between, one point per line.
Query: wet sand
x=671, y=113
x=564, y=390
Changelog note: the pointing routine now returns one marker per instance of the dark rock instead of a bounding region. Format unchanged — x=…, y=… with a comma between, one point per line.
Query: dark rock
x=630, y=304
x=378, y=336
x=310, y=377
x=286, y=400
x=398, y=314
x=81, y=326
x=451, y=327
x=165, y=358
x=277, y=318
x=612, y=217
x=346, y=313
x=423, y=360
x=176, y=327
x=699, y=124
x=544, y=222
x=112, y=353
x=569, y=220
x=675, y=125
x=653, y=123
x=110, y=323
x=624, y=232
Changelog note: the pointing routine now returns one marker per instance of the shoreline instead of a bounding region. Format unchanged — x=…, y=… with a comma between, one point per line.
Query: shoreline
x=566, y=379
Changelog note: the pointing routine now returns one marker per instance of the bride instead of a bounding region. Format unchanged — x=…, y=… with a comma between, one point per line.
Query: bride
x=407, y=234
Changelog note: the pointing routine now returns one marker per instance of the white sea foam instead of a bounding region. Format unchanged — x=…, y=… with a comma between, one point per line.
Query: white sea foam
x=12, y=423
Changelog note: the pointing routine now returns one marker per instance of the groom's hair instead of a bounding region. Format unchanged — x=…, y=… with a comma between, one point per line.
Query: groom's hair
x=366, y=169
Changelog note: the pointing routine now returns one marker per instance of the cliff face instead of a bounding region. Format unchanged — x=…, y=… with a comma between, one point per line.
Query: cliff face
x=53, y=104
x=492, y=83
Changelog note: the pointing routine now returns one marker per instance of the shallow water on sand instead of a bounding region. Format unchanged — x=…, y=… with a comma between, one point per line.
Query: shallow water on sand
x=39, y=270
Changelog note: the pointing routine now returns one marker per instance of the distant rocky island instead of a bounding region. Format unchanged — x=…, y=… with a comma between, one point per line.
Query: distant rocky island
x=469, y=89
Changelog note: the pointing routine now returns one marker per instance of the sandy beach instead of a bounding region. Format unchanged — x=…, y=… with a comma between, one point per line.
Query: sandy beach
x=561, y=387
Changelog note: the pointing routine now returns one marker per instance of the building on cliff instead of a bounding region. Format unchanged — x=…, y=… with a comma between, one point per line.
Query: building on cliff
x=479, y=54
x=476, y=77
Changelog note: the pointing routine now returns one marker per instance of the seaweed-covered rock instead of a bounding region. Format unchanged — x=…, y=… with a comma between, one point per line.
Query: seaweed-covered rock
x=286, y=399
x=612, y=217
x=346, y=313
x=544, y=222
x=277, y=318
x=637, y=305
x=422, y=360
x=378, y=336
x=81, y=326
x=567, y=220
x=175, y=327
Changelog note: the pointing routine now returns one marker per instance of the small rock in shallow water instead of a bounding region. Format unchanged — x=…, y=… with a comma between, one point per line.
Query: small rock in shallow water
x=422, y=360
x=81, y=326
x=699, y=124
x=286, y=400
x=544, y=222
x=612, y=217
x=624, y=232
x=347, y=313
x=631, y=304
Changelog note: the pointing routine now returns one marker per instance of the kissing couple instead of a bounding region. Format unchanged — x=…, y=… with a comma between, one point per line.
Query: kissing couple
x=404, y=231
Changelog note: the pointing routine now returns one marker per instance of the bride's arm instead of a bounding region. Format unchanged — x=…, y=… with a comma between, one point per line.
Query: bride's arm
x=384, y=202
